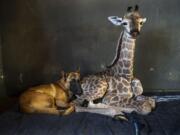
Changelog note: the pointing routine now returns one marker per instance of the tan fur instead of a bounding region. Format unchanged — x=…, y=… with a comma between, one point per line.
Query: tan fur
x=46, y=98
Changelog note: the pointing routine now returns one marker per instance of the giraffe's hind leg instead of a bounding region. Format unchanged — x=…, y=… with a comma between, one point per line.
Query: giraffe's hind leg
x=136, y=86
x=139, y=106
x=137, y=90
x=151, y=100
x=143, y=107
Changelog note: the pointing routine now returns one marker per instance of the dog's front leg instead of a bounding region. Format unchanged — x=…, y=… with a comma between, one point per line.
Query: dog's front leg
x=69, y=110
x=60, y=103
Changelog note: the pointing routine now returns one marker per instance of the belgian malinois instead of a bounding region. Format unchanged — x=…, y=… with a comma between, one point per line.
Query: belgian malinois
x=47, y=98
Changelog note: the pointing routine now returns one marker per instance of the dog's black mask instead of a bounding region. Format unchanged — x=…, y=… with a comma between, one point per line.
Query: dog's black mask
x=75, y=87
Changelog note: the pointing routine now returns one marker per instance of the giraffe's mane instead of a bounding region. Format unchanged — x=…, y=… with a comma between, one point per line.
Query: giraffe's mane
x=117, y=51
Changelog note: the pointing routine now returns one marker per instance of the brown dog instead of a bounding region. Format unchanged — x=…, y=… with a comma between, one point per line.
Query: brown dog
x=48, y=97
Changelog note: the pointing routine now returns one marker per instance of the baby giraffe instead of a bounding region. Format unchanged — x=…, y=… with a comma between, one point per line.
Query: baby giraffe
x=47, y=98
x=116, y=85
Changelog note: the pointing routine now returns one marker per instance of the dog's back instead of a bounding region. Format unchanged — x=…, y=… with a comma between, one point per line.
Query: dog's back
x=41, y=96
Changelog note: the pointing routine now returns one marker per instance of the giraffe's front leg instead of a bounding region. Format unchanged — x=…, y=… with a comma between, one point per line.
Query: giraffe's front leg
x=136, y=86
x=94, y=88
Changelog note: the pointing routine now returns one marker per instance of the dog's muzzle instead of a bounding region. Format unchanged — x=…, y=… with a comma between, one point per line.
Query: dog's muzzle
x=75, y=87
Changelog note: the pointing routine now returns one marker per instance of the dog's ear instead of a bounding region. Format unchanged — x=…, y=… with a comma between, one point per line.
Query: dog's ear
x=63, y=75
x=78, y=70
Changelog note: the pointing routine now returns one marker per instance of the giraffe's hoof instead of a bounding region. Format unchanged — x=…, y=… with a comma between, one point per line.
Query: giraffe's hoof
x=120, y=117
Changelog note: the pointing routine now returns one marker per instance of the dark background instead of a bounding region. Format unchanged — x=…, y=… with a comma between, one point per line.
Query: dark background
x=39, y=38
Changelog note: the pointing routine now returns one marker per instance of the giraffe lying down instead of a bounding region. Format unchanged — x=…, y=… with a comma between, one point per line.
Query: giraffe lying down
x=116, y=85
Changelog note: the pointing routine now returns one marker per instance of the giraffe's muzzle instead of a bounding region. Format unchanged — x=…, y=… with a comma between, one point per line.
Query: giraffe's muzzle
x=134, y=33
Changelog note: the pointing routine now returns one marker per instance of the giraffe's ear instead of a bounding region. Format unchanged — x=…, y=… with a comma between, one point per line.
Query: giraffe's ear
x=144, y=20
x=115, y=20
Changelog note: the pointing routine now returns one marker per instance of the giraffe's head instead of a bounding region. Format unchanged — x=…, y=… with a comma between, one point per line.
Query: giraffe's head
x=132, y=21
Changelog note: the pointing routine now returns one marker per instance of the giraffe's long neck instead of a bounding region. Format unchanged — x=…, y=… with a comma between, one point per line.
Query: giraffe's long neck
x=123, y=62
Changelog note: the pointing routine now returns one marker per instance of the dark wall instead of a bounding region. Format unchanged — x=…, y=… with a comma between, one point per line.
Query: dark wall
x=42, y=37
x=3, y=93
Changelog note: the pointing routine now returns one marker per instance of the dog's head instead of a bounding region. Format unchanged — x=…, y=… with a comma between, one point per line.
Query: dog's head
x=68, y=77
x=73, y=80
x=75, y=87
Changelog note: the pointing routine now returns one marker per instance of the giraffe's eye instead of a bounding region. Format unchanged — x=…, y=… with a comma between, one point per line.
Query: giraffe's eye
x=124, y=23
x=141, y=23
